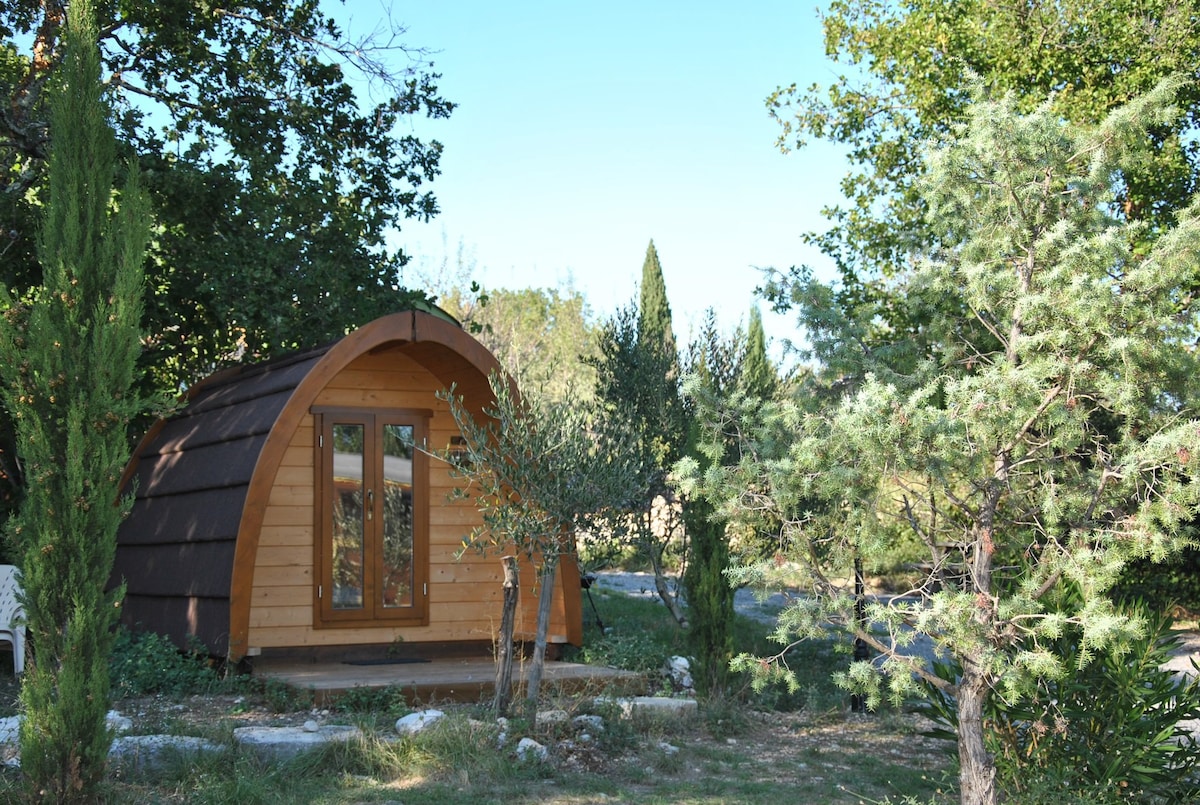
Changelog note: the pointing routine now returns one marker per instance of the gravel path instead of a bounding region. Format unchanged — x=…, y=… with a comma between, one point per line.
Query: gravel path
x=745, y=602
x=748, y=603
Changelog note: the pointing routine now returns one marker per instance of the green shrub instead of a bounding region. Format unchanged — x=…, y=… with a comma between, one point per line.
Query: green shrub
x=1163, y=585
x=387, y=702
x=143, y=663
x=628, y=650
x=281, y=697
x=1111, y=731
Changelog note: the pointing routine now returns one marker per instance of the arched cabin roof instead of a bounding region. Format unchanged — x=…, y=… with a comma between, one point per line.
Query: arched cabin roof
x=202, y=477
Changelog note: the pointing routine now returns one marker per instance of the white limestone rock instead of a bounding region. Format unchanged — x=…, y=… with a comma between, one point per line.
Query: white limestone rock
x=679, y=671
x=547, y=717
x=117, y=722
x=10, y=730
x=283, y=743
x=415, y=722
x=529, y=749
x=660, y=706
x=588, y=723
x=152, y=753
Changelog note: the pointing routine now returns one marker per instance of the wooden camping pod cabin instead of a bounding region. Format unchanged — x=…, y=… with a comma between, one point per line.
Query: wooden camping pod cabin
x=289, y=508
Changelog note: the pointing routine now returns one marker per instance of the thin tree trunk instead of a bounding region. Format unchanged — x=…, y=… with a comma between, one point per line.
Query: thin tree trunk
x=504, y=650
x=546, y=579
x=664, y=591
x=977, y=767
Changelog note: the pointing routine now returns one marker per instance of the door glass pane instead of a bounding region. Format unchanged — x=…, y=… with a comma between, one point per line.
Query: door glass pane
x=348, y=534
x=397, y=570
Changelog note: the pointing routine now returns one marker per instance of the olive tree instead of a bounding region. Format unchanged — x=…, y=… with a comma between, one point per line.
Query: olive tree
x=540, y=471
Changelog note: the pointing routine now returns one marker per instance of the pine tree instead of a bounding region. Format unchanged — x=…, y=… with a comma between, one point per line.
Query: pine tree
x=68, y=353
x=1046, y=442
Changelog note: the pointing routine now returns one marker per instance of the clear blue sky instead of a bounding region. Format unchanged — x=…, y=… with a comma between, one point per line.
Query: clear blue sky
x=584, y=130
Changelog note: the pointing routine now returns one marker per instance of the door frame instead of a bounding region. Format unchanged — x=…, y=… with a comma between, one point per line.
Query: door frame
x=372, y=613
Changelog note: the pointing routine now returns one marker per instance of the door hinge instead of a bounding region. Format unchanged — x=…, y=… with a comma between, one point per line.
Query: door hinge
x=425, y=587
x=321, y=440
x=320, y=591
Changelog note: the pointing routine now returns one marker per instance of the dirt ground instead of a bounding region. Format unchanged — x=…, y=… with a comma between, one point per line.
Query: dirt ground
x=782, y=747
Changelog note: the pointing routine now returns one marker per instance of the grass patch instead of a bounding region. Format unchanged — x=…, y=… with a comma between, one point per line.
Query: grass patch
x=743, y=746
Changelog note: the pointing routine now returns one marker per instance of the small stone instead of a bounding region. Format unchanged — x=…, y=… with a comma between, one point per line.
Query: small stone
x=415, y=722
x=529, y=749
x=553, y=717
x=117, y=722
x=588, y=722
x=668, y=748
x=311, y=726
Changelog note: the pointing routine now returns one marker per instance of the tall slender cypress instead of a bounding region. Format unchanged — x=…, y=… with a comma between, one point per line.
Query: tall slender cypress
x=659, y=404
x=759, y=378
x=654, y=311
x=68, y=353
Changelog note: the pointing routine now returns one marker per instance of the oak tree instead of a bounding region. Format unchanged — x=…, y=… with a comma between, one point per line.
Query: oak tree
x=275, y=150
x=904, y=72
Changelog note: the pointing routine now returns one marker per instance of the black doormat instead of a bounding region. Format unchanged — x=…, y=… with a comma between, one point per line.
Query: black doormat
x=385, y=661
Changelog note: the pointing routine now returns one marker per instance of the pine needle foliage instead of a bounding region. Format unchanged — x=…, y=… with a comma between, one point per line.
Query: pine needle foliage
x=68, y=352
x=1044, y=439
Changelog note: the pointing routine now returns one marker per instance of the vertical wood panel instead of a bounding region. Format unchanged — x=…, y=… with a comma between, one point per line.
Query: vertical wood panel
x=464, y=595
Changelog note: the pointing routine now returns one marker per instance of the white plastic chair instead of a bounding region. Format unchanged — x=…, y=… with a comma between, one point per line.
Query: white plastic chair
x=11, y=629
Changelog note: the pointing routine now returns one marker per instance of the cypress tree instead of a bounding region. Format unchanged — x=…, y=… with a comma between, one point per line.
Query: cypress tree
x=637, y=380
x=709, y=596
x=714, y=365
x=68, y=353
x=758, y=375
x=659, y=405
x=654, y=311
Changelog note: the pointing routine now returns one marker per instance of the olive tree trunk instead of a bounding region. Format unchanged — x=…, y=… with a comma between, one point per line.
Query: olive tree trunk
x=547, y=579
x=504, y=647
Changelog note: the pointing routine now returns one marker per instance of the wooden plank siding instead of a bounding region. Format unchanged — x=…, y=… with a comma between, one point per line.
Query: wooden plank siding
x=220, y=541
x=464, y=595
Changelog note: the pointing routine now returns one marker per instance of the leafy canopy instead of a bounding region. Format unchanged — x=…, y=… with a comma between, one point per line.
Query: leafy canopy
x=543, y=337
x=274, y=178
x=906, y=74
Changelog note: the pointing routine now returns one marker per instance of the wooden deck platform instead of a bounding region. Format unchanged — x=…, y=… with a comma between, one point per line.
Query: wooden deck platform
x=456, y=679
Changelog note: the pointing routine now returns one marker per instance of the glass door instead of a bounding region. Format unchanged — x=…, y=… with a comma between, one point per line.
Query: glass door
x=373, y=508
